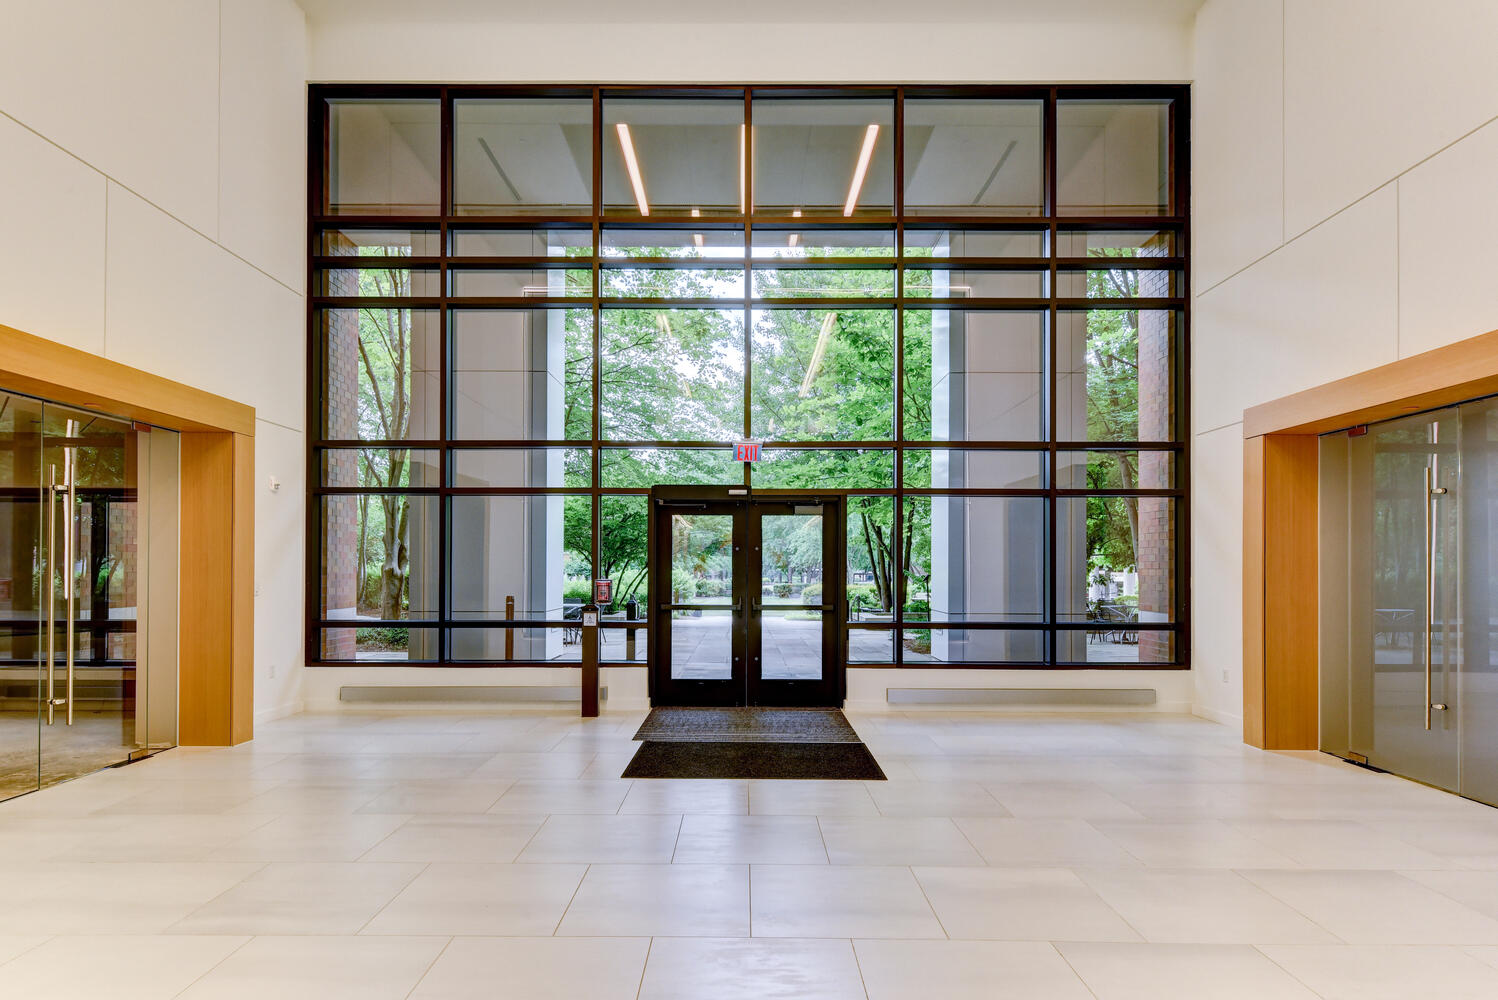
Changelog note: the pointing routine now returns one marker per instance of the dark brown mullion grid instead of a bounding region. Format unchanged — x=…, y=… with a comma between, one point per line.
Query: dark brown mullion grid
x=1049, y=171
x=746, y=168
x=445, y=406
x=1176, y=221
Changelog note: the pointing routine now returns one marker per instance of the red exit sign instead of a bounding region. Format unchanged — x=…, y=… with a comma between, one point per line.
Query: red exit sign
x=746, y=451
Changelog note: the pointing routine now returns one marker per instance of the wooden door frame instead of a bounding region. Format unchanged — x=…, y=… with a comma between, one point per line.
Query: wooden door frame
x=216, y=633
x=1280, y=543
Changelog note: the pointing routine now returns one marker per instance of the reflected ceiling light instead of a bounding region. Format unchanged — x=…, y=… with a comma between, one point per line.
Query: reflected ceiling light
x=864, y=156
x=743, y=170
x=633, y=166
x=794, y=237
x=823, y=336
x=697, y=237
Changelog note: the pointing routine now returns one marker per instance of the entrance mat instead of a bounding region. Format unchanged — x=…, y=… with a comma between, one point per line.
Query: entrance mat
x=834, y=761
x=747, y=725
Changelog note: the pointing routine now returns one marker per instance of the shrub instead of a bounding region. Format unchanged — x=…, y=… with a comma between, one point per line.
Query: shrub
x=865, y=596
x=683, y=586
x=782, y=590
x=711, y=588
x=578, y=590
x=383, y=638
x=811, y=593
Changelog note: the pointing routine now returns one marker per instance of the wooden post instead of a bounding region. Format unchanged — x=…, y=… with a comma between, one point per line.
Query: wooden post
x=590, y=661
x=509, y=632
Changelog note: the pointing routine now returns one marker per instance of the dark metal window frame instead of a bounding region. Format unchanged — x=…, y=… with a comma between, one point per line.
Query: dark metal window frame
x=1177, y=222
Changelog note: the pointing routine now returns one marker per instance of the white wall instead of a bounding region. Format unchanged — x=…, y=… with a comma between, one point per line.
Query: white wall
x=1344, y=156
x=152, y=190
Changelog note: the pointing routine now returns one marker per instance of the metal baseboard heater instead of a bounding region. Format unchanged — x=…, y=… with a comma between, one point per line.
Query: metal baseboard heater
x=492, y=694
x=1050, y=697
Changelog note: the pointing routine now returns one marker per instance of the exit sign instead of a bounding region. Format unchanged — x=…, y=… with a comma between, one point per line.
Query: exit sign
x=746, y=451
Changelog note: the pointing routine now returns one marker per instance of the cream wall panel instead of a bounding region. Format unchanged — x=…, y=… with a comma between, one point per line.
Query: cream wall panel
x=52, y=252
x=1373, y=87
x=846, y=51
x=1323, y=306
x=187, y=309
x=280, y=532
x=1448, y=212
x=130, y=88
x=1222, y=321
x=263, y=142
x=1217, y=564
x=1237, y=137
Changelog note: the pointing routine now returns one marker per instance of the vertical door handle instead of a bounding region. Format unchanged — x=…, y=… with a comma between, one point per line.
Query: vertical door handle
x=50, y=582
x=70, y=529
x=1431, y=492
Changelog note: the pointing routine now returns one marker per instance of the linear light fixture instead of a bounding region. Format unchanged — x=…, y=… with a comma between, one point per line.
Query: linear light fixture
x=794, y=237
x=697, y=237
x=864, y=156
x=743, y=170
x=823, y=336
x=633, y=166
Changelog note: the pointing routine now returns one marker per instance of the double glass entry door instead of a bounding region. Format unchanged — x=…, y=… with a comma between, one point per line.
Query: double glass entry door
x=745, y=596
x=1410, y=597
x=73, y=524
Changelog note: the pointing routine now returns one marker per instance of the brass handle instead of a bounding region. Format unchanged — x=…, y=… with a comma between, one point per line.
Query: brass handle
x=70, y=528
x=1430, y=585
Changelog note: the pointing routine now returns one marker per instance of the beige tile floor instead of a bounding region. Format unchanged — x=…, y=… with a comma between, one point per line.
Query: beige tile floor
x=371, y=855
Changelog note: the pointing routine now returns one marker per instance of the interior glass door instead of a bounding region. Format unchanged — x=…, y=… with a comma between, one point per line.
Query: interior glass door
x=21, y=606
x=1478, y=699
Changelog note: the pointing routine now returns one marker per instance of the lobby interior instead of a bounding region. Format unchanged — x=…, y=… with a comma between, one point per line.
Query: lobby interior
x=1148, y=585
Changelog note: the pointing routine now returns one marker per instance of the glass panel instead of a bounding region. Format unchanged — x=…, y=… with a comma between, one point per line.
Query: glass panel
x=346, y=241
x=701, y=559
x=520, y=643
x=518, y=467
x=530, y=283
x=623, y=552
x=664, y=157
x=380, y=554
x=673, y=374
x=384, y=157
x=946, y=283
x=823, y=156
x=522, y=373
x=790, y=563
x=823, y=374
x=782, y=241
x=790, y=645
x=820, y=283
x=548, y=242
x=975, y=558
x=673, y=283
x=1115, y=560
x=942, y=242
x=1119, y=284
x=379, y=644
x=1117, y=375
x=623, y=645
x=376, y=282
x=871, y=559
x=973, y=645
x=1116, y=243
x=993, y=469
x=1113, y=157
x=818, y=468
x=22, y=593
x=966, y=157
x=639, y=468
x=1116, y=642
x=380, y=374
x=379, y=468
x=709, y=243
x=523, y=156
x=974, y=376
x=867, y=645
x=1477, y=578
x=1115, y=470
x=702, y=645
x=525, y=549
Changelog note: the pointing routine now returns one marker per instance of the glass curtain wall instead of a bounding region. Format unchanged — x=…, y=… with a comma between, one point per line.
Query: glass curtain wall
x=964, y=309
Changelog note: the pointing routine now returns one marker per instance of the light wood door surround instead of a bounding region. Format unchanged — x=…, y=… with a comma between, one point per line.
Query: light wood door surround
x=1280, y=542
x=216, y=607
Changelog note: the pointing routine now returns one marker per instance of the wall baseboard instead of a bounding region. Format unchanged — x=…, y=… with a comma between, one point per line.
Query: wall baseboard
x=280, y=711
x=1217, y=715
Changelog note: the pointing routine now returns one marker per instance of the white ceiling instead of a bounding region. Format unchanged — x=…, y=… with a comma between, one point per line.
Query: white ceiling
x=753, y=11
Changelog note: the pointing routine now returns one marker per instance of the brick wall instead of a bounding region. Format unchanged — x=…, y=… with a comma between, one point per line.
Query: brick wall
x=340, y=412
x=1156, y=538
